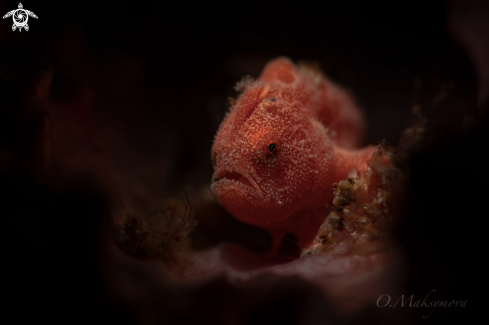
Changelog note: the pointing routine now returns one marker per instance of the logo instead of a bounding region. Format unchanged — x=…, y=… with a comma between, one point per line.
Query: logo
x=20, y=17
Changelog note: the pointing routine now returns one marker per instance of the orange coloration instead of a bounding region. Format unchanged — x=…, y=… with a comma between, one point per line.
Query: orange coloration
x=316, y=129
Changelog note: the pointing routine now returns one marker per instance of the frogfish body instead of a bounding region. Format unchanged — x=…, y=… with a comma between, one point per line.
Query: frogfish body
x=290, y=135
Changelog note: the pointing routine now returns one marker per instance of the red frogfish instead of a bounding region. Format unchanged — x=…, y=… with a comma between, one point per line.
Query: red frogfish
x=288, y=137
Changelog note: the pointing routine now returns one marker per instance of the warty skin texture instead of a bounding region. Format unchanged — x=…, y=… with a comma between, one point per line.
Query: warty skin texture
x=291, y=134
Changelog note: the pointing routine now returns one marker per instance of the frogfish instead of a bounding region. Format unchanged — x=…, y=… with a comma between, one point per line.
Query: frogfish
x=287, y=138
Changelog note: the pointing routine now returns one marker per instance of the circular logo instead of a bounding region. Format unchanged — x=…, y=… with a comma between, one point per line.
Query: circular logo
x=20, y=17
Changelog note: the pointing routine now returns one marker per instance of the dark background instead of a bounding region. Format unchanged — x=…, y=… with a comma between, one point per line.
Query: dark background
x=161, y=73
x=168, y=67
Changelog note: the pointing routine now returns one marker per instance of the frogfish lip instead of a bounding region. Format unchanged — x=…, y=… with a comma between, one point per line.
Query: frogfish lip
x=244, y=178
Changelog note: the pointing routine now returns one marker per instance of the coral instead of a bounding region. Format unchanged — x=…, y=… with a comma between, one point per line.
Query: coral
x=367, y=206
x=158, y=236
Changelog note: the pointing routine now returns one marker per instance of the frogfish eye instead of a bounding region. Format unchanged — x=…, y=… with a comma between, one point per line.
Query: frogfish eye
x=272, y=146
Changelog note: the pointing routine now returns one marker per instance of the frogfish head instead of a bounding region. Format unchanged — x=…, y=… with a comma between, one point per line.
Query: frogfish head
x=270, y=157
